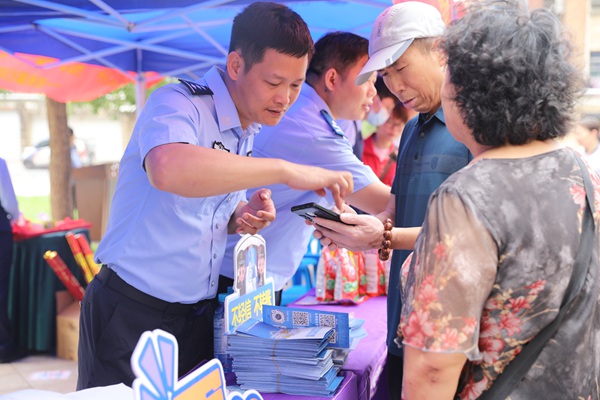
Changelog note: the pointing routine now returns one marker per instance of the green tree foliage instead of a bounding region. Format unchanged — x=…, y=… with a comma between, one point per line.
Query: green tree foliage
x=119, y=101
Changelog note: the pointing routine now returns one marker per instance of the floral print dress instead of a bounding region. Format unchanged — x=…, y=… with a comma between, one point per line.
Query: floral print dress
x=490, y=269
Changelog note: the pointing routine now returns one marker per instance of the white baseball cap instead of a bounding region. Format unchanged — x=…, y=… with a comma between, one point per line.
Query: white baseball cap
x=395, y=29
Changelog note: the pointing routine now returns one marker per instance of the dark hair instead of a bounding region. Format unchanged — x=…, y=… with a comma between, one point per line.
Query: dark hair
x=382, y=90
x=590, y=123
x=261, y=26
x=338, y=50
x=512, y=73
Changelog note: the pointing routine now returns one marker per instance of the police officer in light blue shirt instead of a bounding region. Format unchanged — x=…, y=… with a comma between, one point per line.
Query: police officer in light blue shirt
x=181, y=190
x=309, y=135
x=170, y=226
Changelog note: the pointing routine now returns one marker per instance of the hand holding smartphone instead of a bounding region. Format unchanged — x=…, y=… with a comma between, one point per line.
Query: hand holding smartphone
x=310, y=210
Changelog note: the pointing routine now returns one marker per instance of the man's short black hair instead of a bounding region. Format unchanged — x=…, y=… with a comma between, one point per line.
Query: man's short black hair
x=338, y=50
x=261, y=26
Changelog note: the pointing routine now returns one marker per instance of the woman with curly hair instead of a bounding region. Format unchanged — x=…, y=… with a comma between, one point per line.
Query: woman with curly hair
x=492, y=263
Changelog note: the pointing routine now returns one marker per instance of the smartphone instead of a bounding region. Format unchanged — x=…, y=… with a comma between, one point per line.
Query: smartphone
x=310, y=210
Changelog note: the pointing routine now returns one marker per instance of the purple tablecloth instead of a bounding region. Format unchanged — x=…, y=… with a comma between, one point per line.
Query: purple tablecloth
x=346, y=391
x=364, y=376
x=367, y=361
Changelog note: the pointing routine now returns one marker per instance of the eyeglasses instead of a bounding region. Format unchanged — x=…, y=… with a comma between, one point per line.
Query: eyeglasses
x=394, y=123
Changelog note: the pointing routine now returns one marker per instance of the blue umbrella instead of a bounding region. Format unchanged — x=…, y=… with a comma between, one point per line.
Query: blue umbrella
x=179, y=38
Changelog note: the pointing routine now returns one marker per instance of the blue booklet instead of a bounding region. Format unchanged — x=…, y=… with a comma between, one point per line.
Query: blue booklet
x=288, y=360
x=302, y=317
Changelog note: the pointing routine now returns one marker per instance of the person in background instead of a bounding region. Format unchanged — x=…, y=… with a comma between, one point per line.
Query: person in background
x=75, y=158
x=381, y=148
x=492, y=265
x=380, y=152
x=309, y=135
x=9, y=213
x=383, y=104
x=181, y=189
x=403, y=50
x=586, y=133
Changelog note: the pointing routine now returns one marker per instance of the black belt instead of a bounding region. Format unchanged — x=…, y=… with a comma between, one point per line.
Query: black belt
x=113, y=281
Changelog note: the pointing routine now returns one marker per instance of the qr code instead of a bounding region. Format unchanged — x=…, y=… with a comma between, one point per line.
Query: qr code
x=333, y=337
x=300, y=318
x=327, y=320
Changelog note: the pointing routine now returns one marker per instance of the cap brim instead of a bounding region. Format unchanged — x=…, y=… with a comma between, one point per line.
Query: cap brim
x=382, y=59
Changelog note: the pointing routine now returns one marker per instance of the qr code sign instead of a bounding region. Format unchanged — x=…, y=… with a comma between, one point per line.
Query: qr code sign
x=333, y=337
x=327, y=320
x=300, y=318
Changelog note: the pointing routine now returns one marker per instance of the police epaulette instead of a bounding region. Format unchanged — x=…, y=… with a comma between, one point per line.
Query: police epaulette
x=195, y=88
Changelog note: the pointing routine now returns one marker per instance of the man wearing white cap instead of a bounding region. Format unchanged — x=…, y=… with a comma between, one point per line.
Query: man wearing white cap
x=402, y=49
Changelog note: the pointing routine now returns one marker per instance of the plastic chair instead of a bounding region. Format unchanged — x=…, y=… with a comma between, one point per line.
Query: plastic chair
x=304, y=278
x=308, y=266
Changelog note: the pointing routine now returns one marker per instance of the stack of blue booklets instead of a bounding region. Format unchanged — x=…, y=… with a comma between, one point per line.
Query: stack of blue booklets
x=274, y=359
x=356, y=332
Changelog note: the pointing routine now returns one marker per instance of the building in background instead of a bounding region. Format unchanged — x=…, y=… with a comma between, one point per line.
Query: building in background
x=581, y=19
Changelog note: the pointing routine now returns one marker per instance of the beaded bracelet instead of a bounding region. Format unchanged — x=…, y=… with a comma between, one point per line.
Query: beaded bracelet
x=384, y=251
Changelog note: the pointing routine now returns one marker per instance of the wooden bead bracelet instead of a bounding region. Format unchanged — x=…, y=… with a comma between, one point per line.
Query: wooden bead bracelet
x=386, y=245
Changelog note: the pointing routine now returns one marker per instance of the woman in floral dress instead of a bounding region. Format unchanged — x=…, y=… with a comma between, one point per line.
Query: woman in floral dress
x=497, y=248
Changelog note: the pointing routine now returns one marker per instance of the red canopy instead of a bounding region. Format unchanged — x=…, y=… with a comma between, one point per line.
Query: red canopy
x=450, y=9
x=65, y=83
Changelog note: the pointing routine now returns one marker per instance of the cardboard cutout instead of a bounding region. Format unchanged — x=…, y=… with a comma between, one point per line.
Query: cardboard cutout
x=155, y=365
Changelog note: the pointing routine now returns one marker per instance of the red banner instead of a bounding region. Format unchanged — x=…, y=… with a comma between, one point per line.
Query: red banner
x=69, y=82
x=450, y=9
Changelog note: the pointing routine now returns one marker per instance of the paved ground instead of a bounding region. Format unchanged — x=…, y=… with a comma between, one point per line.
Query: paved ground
x=43, y=372
x=28, y=182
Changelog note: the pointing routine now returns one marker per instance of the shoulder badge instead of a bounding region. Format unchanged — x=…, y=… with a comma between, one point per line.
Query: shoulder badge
x=332, y=124
x=196, y=89
x=220, y=146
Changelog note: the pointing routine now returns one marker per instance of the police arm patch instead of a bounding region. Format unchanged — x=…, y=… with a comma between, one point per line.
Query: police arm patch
x=196, y=89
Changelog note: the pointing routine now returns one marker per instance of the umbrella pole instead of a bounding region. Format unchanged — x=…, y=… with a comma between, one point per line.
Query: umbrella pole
x=140, y=93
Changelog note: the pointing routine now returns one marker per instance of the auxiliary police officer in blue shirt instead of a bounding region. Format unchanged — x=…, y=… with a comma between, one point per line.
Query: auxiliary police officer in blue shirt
x=181, y=189
x=309, y=135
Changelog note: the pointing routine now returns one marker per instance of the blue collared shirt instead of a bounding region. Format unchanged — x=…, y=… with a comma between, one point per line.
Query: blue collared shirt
x=163, y=244
x=428, y=154
x=303, y=136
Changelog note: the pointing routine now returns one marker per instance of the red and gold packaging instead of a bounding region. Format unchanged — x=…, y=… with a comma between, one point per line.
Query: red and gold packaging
x=64, y=274
x=79, y=256
x=87, y=252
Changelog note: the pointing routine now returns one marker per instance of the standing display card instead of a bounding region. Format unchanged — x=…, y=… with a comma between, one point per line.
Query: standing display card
x=249, y=264
x=239, y=309
x=251, y=289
